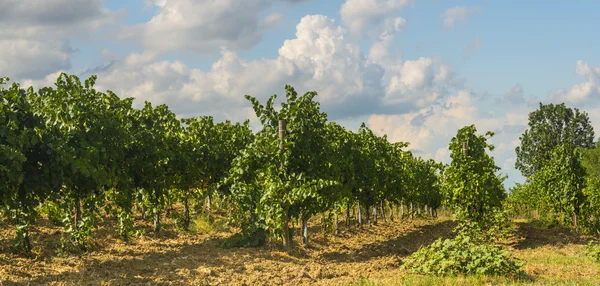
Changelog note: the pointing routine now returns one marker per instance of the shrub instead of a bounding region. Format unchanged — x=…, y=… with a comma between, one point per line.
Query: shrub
x=463, y=254
x=592, y=250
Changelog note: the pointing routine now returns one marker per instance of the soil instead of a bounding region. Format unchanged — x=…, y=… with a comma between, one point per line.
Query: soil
x=176, y=258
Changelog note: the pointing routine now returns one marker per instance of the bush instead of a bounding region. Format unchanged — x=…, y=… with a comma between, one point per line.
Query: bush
x=592, y=250
x=463, y=255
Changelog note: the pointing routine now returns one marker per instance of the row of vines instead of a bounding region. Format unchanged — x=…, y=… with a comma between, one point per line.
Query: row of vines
x=74, y=153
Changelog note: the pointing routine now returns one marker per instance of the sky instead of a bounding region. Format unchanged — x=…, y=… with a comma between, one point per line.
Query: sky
x=416, y=70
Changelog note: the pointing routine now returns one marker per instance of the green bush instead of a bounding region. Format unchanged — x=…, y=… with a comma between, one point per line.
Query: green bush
x=463, y=255
x=592, y=250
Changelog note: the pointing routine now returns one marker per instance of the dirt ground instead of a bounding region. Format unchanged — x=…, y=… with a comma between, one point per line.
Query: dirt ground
x=373, y=253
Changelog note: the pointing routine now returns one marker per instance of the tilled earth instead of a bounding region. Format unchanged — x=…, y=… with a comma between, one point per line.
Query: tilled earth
x=554, y=256
x=195, y=259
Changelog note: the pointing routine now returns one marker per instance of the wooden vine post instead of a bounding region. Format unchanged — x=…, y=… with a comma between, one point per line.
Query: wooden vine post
x=281, y=135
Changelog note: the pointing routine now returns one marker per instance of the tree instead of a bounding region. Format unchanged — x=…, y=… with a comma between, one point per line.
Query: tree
x=590, y=159
x=550, y=126
x=560, y=182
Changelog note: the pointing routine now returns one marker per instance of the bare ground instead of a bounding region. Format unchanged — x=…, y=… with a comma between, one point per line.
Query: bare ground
x=374, y=252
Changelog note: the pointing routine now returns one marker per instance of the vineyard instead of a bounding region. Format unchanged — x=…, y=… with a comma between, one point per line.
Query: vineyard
x=84, y=173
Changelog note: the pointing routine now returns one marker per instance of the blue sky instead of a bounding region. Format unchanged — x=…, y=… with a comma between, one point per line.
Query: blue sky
x=415, y=70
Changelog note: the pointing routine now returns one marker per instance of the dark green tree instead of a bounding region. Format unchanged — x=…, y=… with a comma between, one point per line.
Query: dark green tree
x=590, y=159
x=550, y=126
x=560, y=183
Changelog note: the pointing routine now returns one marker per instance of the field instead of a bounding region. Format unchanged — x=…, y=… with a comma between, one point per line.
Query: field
x=368, y=256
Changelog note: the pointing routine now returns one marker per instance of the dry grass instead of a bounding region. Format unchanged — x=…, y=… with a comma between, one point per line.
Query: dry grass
x=554, y=257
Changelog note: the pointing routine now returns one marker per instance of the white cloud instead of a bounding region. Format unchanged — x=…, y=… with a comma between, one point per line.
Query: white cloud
x=50, y=19
x=515, y=118
x=457, y=14
x=442, y=155
x=582, y=93
x=321, y=57
x=379, y=52
x=357, y=14
x=419, y=82
x=23, y=58
x=35, y=35
x=48, y=80
x=139, y=59
x=204, y=26
x=430, y=129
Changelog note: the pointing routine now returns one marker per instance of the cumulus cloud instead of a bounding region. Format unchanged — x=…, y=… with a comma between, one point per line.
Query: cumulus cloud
x=204, y=26
x=379, y=51
x=140, y=59
x=358, y=14
x=424, y=129
x=418, y=82
x=54, y=18
x=430, y=129
x=320, y=57
x=582, y=93
x=457, y=14
x=24, y=58
x=35, y=33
